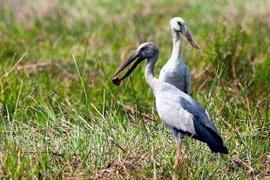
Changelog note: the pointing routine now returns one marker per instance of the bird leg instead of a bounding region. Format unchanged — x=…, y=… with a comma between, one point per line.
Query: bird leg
x=179, y=159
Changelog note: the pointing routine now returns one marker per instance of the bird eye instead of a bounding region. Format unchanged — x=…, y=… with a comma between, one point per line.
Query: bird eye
x=142, y=49
x=179, y=23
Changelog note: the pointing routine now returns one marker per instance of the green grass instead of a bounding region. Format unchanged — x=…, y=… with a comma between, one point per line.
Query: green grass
x=62, y=118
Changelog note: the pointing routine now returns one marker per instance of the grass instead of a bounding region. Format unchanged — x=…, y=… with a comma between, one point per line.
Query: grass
x=62, y=118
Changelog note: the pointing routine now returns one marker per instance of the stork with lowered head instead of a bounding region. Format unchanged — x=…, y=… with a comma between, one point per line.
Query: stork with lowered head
x=178, y=110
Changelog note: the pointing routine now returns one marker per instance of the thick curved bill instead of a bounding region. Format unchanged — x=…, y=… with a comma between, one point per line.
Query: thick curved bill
x=189, y=37
x=134, y=57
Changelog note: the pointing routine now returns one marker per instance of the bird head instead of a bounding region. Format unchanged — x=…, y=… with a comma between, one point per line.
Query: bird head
x=144, y=51
x=147, y=50
x=177, y=24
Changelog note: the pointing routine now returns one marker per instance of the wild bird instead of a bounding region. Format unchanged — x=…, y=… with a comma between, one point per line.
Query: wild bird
x=179, y=111
x=175, y=71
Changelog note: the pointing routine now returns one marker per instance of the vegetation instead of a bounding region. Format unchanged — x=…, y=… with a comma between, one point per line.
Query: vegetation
x=62, y=118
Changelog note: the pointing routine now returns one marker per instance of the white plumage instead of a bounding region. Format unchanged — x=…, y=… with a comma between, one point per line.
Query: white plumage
x=175, y=71
x=178, y=110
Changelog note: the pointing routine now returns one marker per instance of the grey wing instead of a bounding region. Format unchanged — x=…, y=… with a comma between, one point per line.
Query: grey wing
x=204, y=127
x=198, y=112
x=187, y=81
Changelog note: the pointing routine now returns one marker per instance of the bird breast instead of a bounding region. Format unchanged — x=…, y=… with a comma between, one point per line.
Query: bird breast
x=175, y=75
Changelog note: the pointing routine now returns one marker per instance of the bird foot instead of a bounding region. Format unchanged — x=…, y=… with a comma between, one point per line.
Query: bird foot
x=178, y=165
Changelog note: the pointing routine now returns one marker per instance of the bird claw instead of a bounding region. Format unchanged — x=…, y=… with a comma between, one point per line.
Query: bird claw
x=178, y=164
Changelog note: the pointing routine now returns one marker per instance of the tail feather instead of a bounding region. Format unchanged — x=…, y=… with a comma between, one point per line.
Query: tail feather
x=218, y=146
x=213, y=139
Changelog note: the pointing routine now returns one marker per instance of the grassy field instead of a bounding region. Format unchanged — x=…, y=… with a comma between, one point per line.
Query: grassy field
x=62, y=118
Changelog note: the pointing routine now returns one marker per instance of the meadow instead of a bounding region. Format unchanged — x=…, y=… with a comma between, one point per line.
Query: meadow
x=62, y=118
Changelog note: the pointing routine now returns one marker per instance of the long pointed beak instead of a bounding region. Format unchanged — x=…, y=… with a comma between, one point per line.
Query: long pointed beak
x=133, y=57
x=189, y=37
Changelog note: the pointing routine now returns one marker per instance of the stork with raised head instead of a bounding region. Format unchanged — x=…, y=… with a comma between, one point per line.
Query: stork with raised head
x=179, y=111
x=175, y=71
